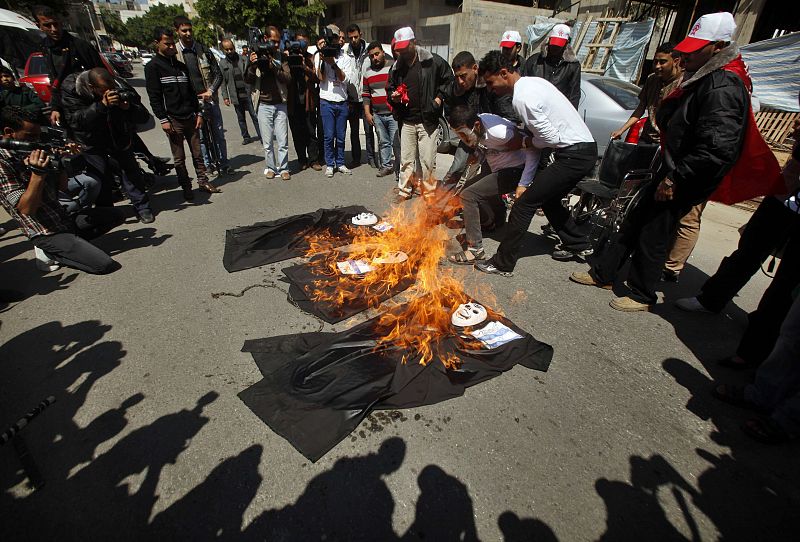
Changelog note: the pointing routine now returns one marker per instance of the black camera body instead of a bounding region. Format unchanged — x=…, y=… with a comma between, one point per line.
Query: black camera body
x=60, y=157
x=332, y=47
x=127, y=95
x=262, y=47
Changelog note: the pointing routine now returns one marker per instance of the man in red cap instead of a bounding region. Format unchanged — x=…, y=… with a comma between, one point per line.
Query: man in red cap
x=702, y=132
x=557, y=63
x=510, y=46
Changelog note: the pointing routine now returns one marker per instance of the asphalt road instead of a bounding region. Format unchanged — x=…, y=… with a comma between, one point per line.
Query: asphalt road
x=620, y=440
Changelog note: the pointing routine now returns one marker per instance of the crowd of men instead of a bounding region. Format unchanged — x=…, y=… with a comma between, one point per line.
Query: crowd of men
x=519, y=137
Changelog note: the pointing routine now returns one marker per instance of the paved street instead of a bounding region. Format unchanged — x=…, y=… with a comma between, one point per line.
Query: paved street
x=620, y=440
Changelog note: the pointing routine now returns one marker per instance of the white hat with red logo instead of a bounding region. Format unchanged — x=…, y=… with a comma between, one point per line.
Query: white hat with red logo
x=510, y=38
x=709, y=28
x=402, y=37
x=559, y=35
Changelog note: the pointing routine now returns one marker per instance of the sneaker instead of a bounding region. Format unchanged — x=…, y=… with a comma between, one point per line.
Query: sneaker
x=626, y=304
x=286, y=176
x=383, y=172
x=269, y=174
x=225, y=170
x=488, y=267
x=564, y=255
x=344, y=170
x=44, y=262
x=587, y=279
x=691, y=304
x=329, y=171
x=146, y=216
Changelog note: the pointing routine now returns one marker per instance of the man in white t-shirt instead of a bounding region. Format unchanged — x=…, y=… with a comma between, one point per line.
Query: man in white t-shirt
x=333, y=65
x=489, y=136
x=552, y=123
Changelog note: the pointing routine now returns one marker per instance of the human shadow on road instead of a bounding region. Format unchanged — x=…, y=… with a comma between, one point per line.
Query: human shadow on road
x=516, y=529
x=122, y=240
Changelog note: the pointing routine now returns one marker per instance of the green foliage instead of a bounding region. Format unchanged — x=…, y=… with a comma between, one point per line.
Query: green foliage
x=204, y=33
x=140, y=29
x=236, y=16
x=114, y=25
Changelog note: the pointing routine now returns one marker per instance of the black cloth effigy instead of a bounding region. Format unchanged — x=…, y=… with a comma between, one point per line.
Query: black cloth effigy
x=286, y=238
x=306, y=278
x=318, y=387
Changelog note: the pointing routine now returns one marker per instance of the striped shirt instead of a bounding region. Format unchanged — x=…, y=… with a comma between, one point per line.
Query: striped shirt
x=374, y=92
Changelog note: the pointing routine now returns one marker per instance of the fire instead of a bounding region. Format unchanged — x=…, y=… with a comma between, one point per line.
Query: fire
x=417, y=230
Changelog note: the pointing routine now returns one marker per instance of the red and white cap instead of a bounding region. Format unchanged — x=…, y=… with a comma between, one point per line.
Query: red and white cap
x=510, y=38
x=709, y=28
x=559, y=35
x=402, y=37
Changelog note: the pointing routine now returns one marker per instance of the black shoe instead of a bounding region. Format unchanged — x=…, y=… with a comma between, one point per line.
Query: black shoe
x=549, y=231
x=564, y=255
x=188, y=194
x=146, y=216
x=384, y=172
x=247, y=140
x=488, y=267
x=225, y=170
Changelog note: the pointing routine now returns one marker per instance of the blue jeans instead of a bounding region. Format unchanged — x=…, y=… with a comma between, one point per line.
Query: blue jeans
x=386, y=126
x=334, y=127
x=213, y=116
x=82, y=191
x=274, y=123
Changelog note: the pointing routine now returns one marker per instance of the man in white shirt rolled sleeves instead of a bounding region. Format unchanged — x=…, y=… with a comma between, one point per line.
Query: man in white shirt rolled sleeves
x=553, y=124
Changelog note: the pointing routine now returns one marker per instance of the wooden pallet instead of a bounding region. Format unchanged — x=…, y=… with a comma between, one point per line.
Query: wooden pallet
x=776, y=126
x=598, y=43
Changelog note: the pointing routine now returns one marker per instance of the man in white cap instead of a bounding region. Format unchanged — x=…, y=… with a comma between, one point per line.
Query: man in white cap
x=702, y=126
x=557, y=63
x=510, y=46
x=417, y=88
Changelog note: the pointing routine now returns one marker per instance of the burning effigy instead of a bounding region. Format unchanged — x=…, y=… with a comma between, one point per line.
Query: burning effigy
x=425, y=348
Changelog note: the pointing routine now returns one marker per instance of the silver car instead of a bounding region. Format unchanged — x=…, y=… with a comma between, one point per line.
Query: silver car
x=606, y=104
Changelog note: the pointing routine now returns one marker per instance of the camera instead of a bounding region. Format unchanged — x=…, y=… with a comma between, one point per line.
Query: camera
x=332, y=47
x=127, y=95
x=259, y=45
x=60, y=157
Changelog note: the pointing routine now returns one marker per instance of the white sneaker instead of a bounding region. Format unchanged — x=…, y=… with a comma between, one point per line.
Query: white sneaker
x=329, y=171
x=344, y=170
x=44, y=262
x=691, y=304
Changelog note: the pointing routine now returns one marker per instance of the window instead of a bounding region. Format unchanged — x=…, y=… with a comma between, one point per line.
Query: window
x=624, y=93
x=393, y=3
x=360, y=8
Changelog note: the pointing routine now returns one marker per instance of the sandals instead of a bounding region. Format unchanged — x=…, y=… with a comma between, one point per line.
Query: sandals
x=766, y=430
x=467, y=257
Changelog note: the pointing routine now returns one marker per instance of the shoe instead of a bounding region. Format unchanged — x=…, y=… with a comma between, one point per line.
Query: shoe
x=269, y=174
x=225, y=170
x=44, y=262
x=668, y=275
x=303, y=166
x=329, y=172
x=188, y=194
x=400, y=198
x=626, y=304
x=208, y=187
x=383, y=172
x=587, y=279
x=146, y=216
x=316, y=167
x=488, y=267
x=691, y=304
x=247, y=140
x=549, y=231
x=286, y=176
x=564, y=255
x=344, y=170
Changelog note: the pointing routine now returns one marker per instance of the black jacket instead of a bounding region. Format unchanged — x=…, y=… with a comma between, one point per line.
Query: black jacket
x=170, y=89
x=79, y=55
x=94, y=125
x=565, y=75
x=483, y=100
x=436, y=78
x=703, y=130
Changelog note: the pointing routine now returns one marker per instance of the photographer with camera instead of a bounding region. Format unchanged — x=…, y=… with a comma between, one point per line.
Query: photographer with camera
x=269, y=78
x=235, y=91
x=303, y=102
x=102, y=118
x=332, y=73
x=31, y=175
x=356, y=49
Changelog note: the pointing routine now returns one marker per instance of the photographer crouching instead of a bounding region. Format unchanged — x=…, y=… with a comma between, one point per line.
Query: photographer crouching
x=31, y=175
x=102, y=117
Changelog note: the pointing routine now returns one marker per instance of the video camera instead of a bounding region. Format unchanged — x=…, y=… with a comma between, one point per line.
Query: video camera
x=295, y=49
x=264, y=49
x=61, y=158
x=332, y=47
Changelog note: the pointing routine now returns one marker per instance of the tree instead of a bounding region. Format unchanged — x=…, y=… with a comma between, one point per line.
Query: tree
x=140, y=29
x=114, y=25
x=204, y=32
x=237, y=15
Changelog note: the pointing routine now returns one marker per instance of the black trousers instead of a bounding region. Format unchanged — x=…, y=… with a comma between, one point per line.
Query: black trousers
x=764, y=324
x=100, y=167
x=73, y=249
x=766, y=231
x=303, y=125
x=645, y=236
x=547, y=190
x=244, y=108
x=355, y=113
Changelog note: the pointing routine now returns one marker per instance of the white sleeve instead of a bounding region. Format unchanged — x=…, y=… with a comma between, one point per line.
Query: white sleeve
x=543, y=131
x=349, y=68
x=532, y=156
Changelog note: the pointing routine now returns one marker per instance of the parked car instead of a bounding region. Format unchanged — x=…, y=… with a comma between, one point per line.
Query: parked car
x=122, y=64
x=147, y=56
x=19, y=37
x=606, y=104
x=36, y=75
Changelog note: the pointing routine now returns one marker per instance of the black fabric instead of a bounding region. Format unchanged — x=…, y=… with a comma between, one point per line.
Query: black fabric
x=565, y=75
x=68, y=55
x=286, y=238
x=435, y=78
x=482, y=100
x=307, y=278
x=318, y=387
x=412, y=113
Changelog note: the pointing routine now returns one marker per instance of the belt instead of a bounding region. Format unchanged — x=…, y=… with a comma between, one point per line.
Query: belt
x=580, y=147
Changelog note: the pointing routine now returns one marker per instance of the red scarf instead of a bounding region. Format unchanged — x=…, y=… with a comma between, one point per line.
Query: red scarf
x=756, y=172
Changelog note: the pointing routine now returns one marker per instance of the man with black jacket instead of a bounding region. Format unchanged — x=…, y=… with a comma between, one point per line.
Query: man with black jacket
x=417, y=88
x=174, y=103
x=558, y=64
x=102, y=120
x=702, y=130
